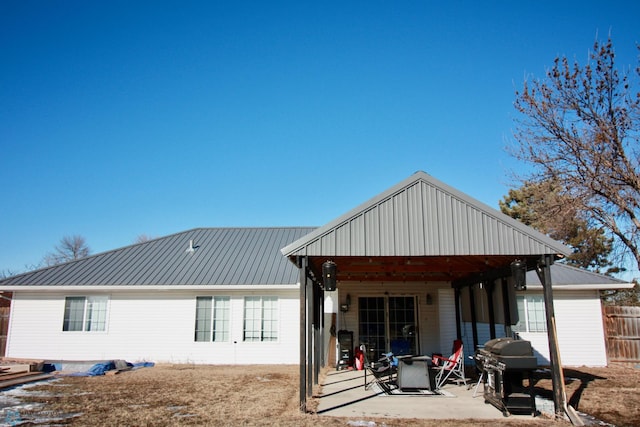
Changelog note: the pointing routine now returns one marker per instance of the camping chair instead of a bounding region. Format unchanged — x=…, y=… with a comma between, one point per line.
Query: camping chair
x=382, y=372
x=452, y=367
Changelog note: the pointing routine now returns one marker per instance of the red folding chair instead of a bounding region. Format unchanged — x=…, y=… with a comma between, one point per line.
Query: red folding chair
x=451, y=367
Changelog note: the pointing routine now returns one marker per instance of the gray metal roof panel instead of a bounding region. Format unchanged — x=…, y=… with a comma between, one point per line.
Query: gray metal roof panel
x=222, y=256
x=562, y=274
x=422, y=216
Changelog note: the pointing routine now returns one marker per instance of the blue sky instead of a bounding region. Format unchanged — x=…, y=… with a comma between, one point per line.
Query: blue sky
x=125, y=118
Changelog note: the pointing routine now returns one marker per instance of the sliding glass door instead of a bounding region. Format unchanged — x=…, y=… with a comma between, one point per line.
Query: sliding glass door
x=387, y=324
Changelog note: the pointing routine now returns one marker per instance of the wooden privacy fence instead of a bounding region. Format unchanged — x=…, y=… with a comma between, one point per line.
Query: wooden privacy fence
x=4, y=329
x=622, y=332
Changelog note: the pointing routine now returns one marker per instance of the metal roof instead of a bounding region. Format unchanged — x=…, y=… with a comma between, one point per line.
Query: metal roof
x=422, y=216
x=220, y=256
x=565, y=275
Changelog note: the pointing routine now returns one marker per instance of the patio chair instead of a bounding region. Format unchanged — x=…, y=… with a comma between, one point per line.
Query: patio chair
x=451, y=367
x=382, y=372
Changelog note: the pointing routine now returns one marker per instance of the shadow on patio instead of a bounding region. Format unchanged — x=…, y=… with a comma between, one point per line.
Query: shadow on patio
x=343, y=394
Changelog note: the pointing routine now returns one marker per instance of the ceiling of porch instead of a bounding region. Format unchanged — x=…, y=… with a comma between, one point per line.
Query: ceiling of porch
x=426, y=268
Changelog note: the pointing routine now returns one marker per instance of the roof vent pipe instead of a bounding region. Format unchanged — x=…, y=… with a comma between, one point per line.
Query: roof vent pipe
x=191, y=249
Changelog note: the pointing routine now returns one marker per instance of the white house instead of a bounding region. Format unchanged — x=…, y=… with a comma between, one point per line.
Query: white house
x=576, y=294
x=209, y=295
x=229, y=296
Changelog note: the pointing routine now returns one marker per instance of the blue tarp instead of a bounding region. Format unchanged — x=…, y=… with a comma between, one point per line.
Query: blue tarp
x=100, y=368
x=95, y=370
x=143, y=365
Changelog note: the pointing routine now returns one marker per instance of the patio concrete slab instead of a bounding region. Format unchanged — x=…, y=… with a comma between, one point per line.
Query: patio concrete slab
x=344, y=395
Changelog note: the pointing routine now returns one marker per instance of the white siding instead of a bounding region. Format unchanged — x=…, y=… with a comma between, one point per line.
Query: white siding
x=579, y=326
x=580, y=330
x=159, y=327
x=447, y=310
x=428, y=327
x=155, y=327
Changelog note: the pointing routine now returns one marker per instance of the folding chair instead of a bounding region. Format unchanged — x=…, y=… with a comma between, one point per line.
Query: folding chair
x=381, y=373
x=452, y=367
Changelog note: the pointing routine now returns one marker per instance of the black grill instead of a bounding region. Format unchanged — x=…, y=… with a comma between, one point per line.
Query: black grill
x=504, y=363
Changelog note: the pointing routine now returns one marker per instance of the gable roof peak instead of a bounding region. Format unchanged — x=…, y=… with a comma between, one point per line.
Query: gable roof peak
x=422, y=216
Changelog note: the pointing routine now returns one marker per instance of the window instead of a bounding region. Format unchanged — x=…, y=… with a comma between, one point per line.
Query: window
x=531, y=314
x=260, y=319
x=85, y=314
x=212, y=319
x=387, y=324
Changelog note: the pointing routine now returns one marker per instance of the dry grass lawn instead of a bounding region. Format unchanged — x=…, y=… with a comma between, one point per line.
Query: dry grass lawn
x=177, y=395
x=609, y=394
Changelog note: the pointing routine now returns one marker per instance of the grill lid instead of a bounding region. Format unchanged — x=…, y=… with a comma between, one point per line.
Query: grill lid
x=509, y=347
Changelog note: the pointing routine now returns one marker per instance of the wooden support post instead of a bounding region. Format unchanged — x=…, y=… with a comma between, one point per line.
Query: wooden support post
x=474, y=323
x=310, y=347
x=544, y=273
x=506, y=304
x=557, y=376
x=302, y=265
x=323, y=361
x=317, y=319
x=456, y=293
x=488, y=287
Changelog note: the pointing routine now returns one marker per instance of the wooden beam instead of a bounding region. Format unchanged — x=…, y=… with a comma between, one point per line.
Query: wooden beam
x=323, y=361
x=506, y=305
x=456, y=293
x=557, y=376
x=302, y=265
x=310, y=353
x=317, y=319
x=474, y=323
x=467, y=269
x=488, y=286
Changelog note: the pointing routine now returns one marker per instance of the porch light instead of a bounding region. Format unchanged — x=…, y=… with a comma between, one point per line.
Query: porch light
x=519, y=274
x=329, y=275
x=345, y=307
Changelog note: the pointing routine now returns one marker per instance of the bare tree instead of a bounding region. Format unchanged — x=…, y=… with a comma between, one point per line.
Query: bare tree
x=142, y=238
x=7, y=273
x=70, y=248
x=580, y=126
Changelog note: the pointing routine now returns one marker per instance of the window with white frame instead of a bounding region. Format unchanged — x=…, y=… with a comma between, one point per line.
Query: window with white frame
x=531, y=314
x=212, y=319
x=85, y=313
x=260, y=318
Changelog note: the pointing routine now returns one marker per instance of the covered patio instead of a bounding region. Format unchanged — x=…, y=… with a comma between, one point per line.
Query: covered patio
x=343, y=395
x=425, y=242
